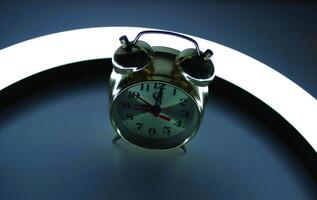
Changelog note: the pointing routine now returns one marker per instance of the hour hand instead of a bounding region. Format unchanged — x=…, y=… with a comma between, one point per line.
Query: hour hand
x=158, y=97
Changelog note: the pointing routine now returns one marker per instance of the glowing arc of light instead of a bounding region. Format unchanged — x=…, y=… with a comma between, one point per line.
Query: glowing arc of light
x=293, y=103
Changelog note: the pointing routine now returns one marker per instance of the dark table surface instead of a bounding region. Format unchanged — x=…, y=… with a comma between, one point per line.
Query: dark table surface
x=55, y=143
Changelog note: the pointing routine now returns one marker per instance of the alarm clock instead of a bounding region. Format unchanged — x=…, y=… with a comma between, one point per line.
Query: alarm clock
x=157, y=93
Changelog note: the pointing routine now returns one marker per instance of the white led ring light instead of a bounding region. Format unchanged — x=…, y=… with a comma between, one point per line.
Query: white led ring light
x=36, y=55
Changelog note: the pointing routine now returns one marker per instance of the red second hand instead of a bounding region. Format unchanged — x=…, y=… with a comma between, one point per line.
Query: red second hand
x=156, y=114
x=164, y=117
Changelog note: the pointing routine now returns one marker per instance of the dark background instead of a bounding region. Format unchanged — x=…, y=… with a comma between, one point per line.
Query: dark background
x=281, y=34
x=55, y=142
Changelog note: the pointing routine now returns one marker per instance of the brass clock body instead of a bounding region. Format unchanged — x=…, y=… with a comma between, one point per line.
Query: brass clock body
x=158, y=94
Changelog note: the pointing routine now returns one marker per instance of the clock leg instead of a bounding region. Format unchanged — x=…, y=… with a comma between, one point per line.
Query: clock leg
x=117, y=137
x=184, y=148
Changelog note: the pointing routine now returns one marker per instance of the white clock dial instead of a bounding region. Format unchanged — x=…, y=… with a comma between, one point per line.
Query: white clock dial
x=155, y=110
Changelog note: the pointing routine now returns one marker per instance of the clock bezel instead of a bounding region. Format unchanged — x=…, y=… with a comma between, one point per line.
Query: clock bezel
x=154, y=143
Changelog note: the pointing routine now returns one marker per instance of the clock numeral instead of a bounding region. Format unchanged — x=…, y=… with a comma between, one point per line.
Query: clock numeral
x=185, y=113
x=178, y=123
x=159, y=86
x=130, y=116
x=174, y=91
x=138, y=126
x=183, y=101
x=145, y=87
x=152, y=131
x=167, y=130
x=134, y=95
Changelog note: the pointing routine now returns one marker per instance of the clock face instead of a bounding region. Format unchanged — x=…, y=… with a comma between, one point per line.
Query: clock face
x=155, y=114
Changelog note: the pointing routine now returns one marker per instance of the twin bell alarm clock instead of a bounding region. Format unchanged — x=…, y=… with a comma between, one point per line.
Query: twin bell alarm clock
x=158, y=94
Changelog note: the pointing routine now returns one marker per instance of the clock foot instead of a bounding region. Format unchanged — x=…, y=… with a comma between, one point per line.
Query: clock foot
x=117, y=137
x=184, y=148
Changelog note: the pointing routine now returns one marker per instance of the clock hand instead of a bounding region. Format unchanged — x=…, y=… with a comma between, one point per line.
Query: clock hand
x=155, y=114
x=158, y=98
x=163, y=117
x=144, y=101
x=153, y=110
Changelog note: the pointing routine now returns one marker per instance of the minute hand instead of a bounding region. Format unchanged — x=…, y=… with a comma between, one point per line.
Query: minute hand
x=144, y=101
